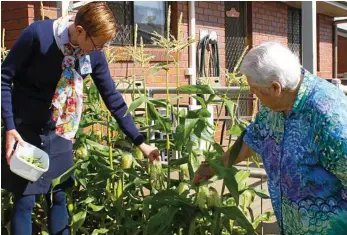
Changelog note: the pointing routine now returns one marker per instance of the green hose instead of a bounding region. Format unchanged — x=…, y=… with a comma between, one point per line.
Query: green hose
x=204, y=44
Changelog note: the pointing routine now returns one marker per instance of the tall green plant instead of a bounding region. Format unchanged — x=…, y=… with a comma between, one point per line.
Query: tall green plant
x=173, y=48
x=118, y=192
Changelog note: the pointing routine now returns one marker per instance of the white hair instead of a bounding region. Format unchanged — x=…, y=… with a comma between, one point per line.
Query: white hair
x=272, y=62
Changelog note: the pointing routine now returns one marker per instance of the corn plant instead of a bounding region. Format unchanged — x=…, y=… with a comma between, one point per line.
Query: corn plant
x=118, y=192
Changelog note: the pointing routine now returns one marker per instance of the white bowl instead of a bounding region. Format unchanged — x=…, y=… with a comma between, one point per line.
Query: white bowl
x=25, y=169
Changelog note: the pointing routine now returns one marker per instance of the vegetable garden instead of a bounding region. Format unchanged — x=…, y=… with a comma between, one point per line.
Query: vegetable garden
x=117, y=191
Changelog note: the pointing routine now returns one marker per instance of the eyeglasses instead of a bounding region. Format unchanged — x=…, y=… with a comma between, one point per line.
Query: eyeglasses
x=95, y=46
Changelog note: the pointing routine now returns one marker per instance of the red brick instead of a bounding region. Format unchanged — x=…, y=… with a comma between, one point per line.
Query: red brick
x=12, y=35
x=213, y=6
x=221, y=20
x=217, y=13
x=199, y=10
x=9, y=5
x=12, y=24
x=203, y=4
x=208, y=11
x=342, y=58
x=221, y=7
x=185, y=8
x=324, y=44
x=19, y=13
x=213, y=19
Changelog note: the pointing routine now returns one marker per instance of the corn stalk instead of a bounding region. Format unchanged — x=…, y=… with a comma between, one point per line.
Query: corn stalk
x=172, y=47
x=42, y=11
x=4, y=52
x=138, y=55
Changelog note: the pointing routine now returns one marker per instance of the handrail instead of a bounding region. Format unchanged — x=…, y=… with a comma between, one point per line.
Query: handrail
x=172, y=90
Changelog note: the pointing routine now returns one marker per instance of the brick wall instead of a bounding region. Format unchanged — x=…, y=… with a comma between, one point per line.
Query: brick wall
x=269, y=22
x=50, y=10
x=209, y=15
x=324, y=46
x=125, y=68
x=341, y=55
x=14, y=18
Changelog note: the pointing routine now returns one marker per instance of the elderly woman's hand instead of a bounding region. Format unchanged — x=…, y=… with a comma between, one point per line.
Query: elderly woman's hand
x=204, y=173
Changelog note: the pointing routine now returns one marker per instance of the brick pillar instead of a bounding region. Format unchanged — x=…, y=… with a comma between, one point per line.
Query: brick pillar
x=341, y=55
x=325, y=31
x=269, y=22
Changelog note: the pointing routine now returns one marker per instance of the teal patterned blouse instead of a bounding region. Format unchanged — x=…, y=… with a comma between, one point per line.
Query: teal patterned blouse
x=305, y=156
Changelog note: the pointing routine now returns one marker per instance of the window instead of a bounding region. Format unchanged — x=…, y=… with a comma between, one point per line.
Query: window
x=294, y=30
x=149, y=16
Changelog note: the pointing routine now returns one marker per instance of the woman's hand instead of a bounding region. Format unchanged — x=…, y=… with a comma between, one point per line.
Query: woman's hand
x=152, y=153
x=12, y=136
x=203, y=173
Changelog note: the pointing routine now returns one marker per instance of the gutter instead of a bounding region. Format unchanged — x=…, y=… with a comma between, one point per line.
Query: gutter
x=191, y=71
x=337, y=4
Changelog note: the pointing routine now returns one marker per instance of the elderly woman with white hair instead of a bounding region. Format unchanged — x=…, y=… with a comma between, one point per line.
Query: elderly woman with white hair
x=301, y=133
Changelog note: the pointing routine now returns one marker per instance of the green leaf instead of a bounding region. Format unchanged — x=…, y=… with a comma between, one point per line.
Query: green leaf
x=228, y=174
x=139, y=182
x=201, y=101
x=83, y=182
x=230, y=105
x=87, y=200
x=169, y=198
x=234, y=213
x=189, y=125
x=104, y=169
x=158, y=102
x=261, y=193
x=178, y=162
x=88, y=122
x=63, y=177
x=199, y=113
x=203, y=131
x=146, y=205
x=165, y=123
x=100, y=231
x=135, y=104
x=97, y=146
x=196, y=89
x=218, y=148
x=236, y=130
x=156, y=68
x=161, y=222
x=78, y=220
x=210, y=99
x=242, y=179
x=93, y=95
x=193, y=163
x=95, y=208
x=179, y=97
x=131, y=224
x=192, y=226
x=246, y=198
x=263, y=217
